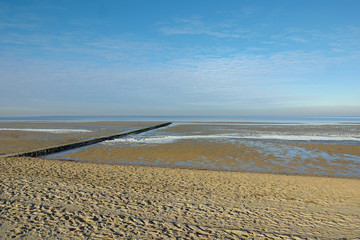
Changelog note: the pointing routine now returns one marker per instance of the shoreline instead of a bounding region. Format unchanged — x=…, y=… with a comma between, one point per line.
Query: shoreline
x=196, y=146
x=201, y=169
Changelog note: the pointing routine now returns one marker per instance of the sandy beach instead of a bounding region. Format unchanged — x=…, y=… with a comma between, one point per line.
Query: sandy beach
x=47, y=199
x=180, y=191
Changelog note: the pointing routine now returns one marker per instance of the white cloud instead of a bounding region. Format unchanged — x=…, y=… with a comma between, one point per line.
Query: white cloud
x=118, y=71
x=196, y=26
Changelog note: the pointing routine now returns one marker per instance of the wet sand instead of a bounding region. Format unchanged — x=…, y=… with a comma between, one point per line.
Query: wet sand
x=16, y=141
x=223, y=156
x=220, y=146
x=48, y=199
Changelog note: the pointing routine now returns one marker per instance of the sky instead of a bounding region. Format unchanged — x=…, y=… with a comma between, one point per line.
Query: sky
x=161, y=57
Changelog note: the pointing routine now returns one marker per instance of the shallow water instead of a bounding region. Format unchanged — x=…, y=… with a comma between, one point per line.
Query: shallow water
x=326, y=149
x=49, y=130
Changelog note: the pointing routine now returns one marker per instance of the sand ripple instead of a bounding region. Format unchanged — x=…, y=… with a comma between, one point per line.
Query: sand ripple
x=42, y=199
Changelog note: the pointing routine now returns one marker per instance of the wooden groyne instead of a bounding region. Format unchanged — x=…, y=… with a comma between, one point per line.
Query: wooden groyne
x=61, y=148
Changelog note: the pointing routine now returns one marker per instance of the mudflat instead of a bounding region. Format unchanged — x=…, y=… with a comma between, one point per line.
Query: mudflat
x=49, y=199
x=17, y=137
x=226, y=156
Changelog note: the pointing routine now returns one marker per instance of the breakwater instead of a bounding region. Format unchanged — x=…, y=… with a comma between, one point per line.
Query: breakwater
x=65, y=147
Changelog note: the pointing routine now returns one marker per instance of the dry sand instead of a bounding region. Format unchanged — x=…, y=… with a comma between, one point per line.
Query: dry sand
x=47, y=199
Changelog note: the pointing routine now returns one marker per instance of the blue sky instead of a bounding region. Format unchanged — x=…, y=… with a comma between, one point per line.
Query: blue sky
x=242, y=58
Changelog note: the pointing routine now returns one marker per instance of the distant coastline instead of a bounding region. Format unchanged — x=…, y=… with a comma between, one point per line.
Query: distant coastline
x=184, y=118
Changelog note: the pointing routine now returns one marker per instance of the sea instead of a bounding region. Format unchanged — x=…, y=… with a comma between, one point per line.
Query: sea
x=261, y=119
